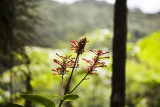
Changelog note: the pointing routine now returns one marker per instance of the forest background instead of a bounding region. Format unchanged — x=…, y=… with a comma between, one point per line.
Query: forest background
x=32, y=32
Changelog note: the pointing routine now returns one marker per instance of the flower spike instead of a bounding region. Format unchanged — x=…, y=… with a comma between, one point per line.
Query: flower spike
x=96, y=62
x=67, y=62
x=78, y=46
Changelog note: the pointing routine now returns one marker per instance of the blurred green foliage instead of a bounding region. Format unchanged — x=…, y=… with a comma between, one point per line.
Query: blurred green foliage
x=142, y=76
x=143, y=82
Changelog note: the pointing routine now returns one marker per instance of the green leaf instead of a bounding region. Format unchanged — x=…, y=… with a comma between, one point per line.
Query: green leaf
x=39, y=99
x=54, y=95
x=12, y=105
x=69, y=97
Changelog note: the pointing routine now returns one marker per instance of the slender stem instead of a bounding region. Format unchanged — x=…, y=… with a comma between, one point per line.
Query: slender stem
x=60, y=103
x=62, y=87
x=85, y=75
x=69, y=79
x=71, y=74
x=79, y=83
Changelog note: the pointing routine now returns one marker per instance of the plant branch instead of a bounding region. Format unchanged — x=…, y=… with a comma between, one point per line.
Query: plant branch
x=71, y=74
x=85, y=75
x=79, y=82
x=69, y=79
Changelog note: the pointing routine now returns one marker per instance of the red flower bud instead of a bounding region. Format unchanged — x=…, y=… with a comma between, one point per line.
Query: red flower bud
x=79, y=46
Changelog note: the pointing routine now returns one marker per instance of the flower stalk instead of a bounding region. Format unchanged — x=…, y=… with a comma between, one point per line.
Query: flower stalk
x=79, y=49
x=93, y=65
x=69, y=80
x=67, y=62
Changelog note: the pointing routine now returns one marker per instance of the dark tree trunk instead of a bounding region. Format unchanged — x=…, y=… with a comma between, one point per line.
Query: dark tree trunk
x=29, y=89
x=6, y=35
x=6, y=25
x=119, y=54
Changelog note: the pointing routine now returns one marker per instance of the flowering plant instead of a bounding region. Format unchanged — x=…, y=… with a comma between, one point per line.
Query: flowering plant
x=69, y=62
